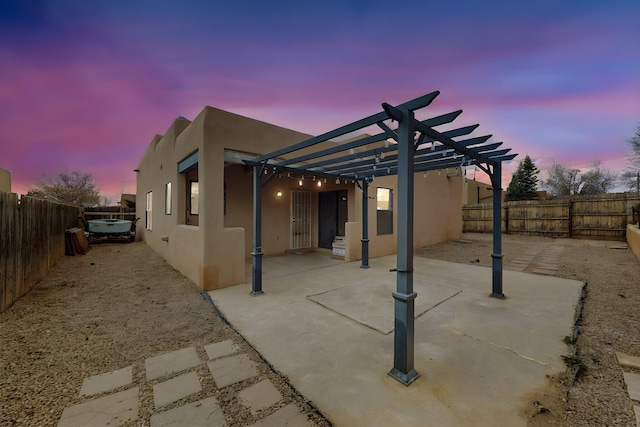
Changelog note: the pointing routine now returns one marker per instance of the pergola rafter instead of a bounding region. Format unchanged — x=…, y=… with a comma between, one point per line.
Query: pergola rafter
x=415, y=146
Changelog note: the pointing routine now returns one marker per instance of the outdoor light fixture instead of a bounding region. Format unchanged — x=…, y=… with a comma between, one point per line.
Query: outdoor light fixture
x=337, y=180
x=319, y=183
x=300, y=183
x=279, y=194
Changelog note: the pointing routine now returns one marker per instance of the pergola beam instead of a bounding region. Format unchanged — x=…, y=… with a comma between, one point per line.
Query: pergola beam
x=414, y=104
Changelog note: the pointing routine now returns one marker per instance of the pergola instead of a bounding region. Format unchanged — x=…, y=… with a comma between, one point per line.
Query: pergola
x=415, y=146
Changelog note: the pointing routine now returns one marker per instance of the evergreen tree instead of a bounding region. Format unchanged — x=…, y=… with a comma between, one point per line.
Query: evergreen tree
x=524, y=181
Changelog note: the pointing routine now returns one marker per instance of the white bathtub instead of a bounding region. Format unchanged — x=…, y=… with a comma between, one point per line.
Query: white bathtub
x=109, y=226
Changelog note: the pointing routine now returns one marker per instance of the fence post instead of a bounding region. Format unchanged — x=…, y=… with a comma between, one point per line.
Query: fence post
x=570, y=215
x=506, y=219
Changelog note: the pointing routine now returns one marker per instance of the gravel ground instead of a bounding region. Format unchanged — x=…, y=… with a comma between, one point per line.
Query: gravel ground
x=121, y=303
x=597, y=395
x=113, y=307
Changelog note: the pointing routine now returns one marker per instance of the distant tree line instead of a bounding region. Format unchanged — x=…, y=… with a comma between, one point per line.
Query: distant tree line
x=562, y=180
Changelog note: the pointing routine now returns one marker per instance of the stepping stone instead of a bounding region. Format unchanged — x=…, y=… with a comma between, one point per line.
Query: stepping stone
x=230, y=370
x=633, y=385
x=629, y=361
x=105, y=382
x=636, y=409
x=205, y=412
x=260, y=396
x=175, y=389
x=108, y=411
x=219, y=349
x=288, y=416
x=172, y=362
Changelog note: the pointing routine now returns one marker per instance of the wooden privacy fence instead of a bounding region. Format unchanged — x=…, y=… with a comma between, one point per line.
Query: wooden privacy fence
x=600, y=217
x=32, y=240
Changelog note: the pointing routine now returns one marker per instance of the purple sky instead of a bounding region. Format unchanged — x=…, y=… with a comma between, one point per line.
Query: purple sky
x=86, y=85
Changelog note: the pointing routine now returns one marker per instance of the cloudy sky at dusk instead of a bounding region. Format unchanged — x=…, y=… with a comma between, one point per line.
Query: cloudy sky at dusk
x=86, y=85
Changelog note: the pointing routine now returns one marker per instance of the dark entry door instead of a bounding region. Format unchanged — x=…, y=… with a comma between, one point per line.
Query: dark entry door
x=332, y=214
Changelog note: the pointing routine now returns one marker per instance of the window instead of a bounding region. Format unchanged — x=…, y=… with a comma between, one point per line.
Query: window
x=149, y=211
x=194, y=190
x=167, y=198
x=193, y=196
x=189, y=169
x=384, y=210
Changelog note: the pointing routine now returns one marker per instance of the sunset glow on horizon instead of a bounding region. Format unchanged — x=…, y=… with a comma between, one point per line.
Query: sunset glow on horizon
x=86, y=86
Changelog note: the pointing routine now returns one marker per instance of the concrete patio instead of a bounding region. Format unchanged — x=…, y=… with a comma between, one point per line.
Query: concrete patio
x=327, y=325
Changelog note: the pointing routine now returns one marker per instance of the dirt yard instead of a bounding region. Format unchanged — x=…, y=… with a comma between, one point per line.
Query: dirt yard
x=610, y=323
x=95, y=313
x=121, y=303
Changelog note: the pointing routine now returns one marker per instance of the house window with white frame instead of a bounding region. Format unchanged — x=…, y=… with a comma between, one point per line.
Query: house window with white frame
x=188, y=168
x=167, y=198
x=149, y=211
x=384, y=210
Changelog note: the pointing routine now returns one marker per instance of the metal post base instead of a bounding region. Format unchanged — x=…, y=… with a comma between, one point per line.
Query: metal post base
x=365, y=253
x=496, y=266
x=257, y=293
x=405, y=379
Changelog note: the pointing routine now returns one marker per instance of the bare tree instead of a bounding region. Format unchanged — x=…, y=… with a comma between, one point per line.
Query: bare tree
x=561, y=180
x=596, y=180
x=76, y=188
x=631, y=175
x=565, y=181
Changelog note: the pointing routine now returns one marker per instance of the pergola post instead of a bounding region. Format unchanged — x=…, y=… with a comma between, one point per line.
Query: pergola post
x=403, y=350
x=365, y=224
x=496, y=263
x=256, y=253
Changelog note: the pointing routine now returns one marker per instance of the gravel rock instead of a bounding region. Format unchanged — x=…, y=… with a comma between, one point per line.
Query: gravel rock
x=114, y=307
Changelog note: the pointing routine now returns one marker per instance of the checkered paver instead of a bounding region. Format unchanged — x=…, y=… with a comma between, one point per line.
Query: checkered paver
x=177, y=392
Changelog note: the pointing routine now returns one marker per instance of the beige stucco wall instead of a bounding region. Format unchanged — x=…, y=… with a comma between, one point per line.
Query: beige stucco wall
x=477, y=192
x=213, y=253
x=437, y=215
x=276, y=220
x=217, y=260
x=633, y=239
x=5, y=180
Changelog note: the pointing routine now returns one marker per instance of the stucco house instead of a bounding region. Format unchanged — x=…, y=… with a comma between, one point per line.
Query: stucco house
x=194, y=198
